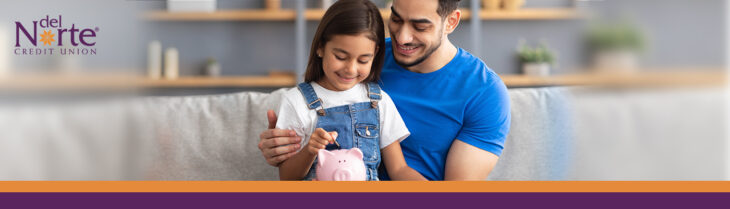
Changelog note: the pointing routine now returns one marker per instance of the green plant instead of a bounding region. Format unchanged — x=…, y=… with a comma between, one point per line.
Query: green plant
x=609, y=36
x=211, y=61
x=539, y=54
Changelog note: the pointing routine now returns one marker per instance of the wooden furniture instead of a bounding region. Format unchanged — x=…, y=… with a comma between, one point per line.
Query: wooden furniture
x=91, y=82
x=278, y=80
x=316, y=14
x=272, y=11
x=699, y=77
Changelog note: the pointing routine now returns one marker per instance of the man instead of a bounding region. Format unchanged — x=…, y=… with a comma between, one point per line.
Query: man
x=456, y=108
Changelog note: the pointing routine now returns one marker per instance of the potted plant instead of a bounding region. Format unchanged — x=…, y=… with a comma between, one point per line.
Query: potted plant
x=512, y=5
x=535, y=61
x=615, y=46
x=212, y=68
x=491, y=5
x=272, y=4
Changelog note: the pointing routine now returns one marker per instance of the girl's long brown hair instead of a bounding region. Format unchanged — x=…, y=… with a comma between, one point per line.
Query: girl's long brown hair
x=348, y=17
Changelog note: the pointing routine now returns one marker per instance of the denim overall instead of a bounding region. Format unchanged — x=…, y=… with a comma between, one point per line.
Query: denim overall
x=357, y=125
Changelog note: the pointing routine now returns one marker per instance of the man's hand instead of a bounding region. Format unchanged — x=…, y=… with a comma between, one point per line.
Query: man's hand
x=272, y=142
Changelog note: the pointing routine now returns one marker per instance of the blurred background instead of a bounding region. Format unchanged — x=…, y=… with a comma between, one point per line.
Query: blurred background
x=244, y=39
x=601, y=89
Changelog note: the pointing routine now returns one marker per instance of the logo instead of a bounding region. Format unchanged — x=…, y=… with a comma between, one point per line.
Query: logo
x=49, y=36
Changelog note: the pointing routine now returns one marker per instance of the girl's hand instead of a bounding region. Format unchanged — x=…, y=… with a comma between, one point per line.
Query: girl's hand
x=319, y=139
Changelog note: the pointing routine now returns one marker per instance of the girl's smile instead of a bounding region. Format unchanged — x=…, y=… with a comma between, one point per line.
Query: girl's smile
x=346, y=79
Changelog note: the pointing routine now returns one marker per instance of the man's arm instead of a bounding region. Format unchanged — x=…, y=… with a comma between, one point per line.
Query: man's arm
x=467, y=162
x=272, y=141
x=477, y=147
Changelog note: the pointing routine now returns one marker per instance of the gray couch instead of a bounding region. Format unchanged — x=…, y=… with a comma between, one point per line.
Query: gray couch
x=556, y=134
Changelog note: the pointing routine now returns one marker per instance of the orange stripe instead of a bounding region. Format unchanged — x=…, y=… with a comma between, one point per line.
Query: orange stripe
x=304, y=186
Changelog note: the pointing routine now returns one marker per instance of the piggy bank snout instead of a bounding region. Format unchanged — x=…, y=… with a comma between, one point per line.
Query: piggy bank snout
x=342, y=175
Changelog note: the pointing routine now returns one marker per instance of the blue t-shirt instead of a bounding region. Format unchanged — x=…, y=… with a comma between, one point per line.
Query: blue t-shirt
x=464, y=100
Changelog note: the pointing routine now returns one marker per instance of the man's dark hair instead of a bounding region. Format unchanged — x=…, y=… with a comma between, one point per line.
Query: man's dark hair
x=446, y=7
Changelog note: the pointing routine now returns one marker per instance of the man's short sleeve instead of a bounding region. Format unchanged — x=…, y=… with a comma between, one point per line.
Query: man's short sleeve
x=487, y=117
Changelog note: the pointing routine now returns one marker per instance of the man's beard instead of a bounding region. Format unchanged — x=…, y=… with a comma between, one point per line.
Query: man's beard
x=420, y=59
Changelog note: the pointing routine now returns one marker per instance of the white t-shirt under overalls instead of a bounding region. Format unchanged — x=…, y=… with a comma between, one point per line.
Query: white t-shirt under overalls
x=295, y=115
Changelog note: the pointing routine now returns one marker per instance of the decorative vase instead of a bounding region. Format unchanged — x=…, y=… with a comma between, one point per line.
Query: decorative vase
x=536, y=69
x=154, y=60
x=273, y=4
x=491, y=5
x=172, y=63
x=327, y=3
x=4, y=52
x=213, y=69
x=191, y=5
x=66, y=65
x=615, y=61
x=512, y=5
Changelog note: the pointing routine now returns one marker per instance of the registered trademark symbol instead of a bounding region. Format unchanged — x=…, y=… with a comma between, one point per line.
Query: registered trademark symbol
x=96, y=29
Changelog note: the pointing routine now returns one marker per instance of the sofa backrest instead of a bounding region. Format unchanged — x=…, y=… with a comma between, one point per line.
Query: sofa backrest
x=213, y=137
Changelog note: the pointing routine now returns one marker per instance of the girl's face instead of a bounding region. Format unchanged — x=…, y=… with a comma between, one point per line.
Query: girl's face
x=346, y=60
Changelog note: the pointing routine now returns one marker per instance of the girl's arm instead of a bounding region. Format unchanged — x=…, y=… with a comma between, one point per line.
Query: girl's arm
x=396, y=165
x=297, y=167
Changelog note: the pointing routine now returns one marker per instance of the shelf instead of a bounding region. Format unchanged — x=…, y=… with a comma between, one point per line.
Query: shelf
x=223, y=15
x=531, y=14
x=700, y=77
x=53, y=82
x=228, y=81
x=696, y=77
x=316, y=14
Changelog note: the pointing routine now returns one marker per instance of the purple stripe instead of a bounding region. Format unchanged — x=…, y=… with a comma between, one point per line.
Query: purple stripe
x=365, y=200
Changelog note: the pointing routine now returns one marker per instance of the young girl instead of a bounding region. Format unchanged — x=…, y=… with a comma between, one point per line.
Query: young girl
x=340, y=106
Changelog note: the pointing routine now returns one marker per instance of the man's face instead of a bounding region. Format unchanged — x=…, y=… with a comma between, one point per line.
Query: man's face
x=416, y=30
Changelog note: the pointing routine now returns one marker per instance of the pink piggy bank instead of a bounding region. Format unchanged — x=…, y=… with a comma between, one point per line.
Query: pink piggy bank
x=341, y=165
